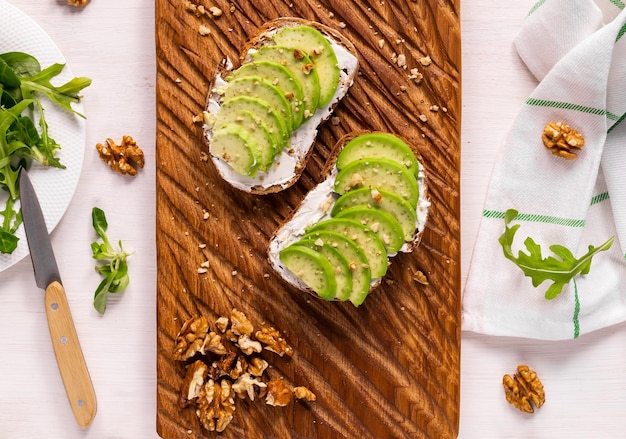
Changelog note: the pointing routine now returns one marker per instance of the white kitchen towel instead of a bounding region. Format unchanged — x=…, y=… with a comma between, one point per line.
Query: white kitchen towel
x=577, y=50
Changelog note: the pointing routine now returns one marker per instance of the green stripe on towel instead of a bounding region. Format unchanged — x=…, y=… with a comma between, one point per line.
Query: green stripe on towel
x=622, y=31
x=547, y=219
x=620, y=120
x=620, y=4
x=599, y=198
x=570, y=106
x=537, y=6
x=576, y=311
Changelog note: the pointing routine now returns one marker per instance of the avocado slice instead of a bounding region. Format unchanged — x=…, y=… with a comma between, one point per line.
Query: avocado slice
x=232, y=108
x=302, y=68
x=380, y=222
x=359, y=267
x=378, y=145
x=378, y=173
x=381, y=199
x=343, y=276
x=312, y=268
x=317, y=46
x=267, y=143
x=235, y=146
x=257, y=87
x=282, y=78
x=365, y=239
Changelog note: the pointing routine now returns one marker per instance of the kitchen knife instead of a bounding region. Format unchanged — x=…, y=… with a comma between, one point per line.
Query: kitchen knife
x=69, y=355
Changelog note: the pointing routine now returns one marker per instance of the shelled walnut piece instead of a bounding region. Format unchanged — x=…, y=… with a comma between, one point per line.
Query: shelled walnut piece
x=524, y=388
x=562, y=140
x=125, y=158
x=224, y=363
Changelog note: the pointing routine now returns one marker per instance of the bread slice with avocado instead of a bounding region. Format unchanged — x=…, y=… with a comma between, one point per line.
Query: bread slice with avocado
x=288, y=80
x=372, y=204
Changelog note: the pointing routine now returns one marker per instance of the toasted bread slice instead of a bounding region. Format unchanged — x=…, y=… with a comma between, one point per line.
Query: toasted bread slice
x=318, y=205
x=291, y=160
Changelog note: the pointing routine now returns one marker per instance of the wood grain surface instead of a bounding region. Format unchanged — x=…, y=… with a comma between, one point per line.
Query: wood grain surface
x=388, y=369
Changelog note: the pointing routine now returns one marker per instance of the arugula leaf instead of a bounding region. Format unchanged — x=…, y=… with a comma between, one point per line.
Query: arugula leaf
x=12, y=220
x=114, y=267
x=560, y=270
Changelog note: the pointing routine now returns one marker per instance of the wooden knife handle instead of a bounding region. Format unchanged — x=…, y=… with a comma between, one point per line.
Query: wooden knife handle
x=69, y=355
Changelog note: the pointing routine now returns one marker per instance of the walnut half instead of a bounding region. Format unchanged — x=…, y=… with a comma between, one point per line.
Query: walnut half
x=562, y=140
x=190, y=338
x=274, y=341
x=524, y=388
x=125, y=158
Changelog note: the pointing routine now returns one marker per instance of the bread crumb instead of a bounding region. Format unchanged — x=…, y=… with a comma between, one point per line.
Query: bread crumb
x=215, y=11
x=203, y=30
x=381, y=43
x=425, y=61
x=402, y=61
x=423, y=118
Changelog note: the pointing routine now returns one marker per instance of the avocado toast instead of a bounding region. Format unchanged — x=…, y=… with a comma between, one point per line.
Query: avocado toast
x=372, y=204
x=261, y=118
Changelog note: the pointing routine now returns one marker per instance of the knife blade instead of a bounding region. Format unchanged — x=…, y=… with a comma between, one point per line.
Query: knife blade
x=67, y=350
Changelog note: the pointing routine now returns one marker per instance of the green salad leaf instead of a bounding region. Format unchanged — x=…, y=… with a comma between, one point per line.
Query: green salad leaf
x=24, y=133
x=111, y=262
x=559, y=269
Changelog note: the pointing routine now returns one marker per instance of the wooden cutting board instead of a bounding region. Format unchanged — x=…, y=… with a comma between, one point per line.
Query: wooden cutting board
x=388, y=369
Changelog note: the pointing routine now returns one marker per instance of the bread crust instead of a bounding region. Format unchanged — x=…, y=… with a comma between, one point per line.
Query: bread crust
x=328, y=171
x=261, y=38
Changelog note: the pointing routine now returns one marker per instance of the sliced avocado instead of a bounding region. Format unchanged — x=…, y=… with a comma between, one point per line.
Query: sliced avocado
x=381, y=199
x=317, y=46
x=312, y=268
x=231, y=108
x=380, y=174
x=366, y=240
x=378, y=145
x=380, y=222
x=343, y=275
x=281, y=77
x=359, y=267
x=302, y=68
x=267, y=143
x=235, y=146
x=257, y=87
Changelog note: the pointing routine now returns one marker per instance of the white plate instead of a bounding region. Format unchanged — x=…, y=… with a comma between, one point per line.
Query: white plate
x=55, y=187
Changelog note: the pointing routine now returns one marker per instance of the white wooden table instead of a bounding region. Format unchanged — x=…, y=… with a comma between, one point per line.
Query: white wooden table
x=112, y=42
